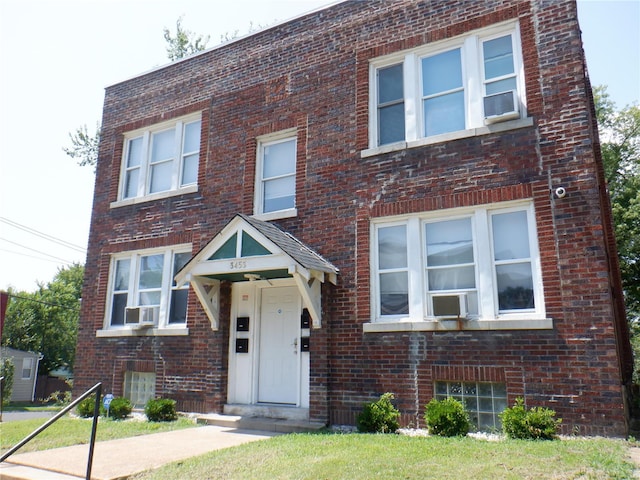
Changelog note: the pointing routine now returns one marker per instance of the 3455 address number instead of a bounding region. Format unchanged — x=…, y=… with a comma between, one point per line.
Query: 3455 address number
x=237, y=264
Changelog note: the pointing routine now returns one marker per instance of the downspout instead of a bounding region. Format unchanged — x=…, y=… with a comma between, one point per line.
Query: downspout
x=35, y=376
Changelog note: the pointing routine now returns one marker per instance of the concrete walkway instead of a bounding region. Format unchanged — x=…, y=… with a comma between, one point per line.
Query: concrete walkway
x=120, y=459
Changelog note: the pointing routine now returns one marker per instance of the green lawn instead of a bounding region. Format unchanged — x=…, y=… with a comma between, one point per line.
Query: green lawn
x=30, y=407
x=365, y=456
x=73, y=431
x=355, y=456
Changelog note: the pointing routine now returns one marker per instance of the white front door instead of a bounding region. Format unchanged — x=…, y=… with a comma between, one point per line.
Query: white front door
x=279, y=357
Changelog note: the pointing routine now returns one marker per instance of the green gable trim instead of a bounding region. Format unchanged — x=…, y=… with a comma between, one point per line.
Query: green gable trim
x=251, y=247
x=240, y=277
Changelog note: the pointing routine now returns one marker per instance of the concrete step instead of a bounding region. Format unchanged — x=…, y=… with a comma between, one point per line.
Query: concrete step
x=264, y=424
x=11, y=471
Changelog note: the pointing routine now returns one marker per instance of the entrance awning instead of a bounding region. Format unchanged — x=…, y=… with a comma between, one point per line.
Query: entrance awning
x=247, y=249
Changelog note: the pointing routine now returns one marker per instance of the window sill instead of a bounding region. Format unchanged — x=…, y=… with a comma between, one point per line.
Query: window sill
x=147, y=332
x=288, y=213
x=154, y=196
x=455, y=325
x=447, y=137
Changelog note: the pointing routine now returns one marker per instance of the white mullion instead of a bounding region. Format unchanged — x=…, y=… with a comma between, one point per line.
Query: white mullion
x=474, y=79
x=132, y=301
x=410, y=87
x=165, y=288
x=415, y=270
x=485, y=276
x=144, y=183
x=177, y=155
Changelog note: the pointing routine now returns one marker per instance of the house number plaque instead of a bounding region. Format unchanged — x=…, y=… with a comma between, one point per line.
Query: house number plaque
x=237, y=264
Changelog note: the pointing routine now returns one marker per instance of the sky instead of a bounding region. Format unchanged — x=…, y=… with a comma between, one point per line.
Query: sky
x=56, y=58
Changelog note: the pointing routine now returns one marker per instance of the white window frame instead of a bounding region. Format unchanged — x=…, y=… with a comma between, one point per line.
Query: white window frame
x=143, y=190
x=163, y=327
x=488, y=315
x=473, y=82
x=30, y=362
x=262, y=142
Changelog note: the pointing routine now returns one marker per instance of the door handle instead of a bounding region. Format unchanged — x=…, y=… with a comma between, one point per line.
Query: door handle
x=295, y=345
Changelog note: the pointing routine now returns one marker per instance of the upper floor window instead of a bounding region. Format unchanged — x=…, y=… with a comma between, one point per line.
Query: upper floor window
x=480, y=263
x=275, y=192
x=143, y=292
x=455, y=85
x=160, y=159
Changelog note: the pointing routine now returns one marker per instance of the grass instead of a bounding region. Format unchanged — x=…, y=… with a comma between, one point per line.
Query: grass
x=354, y=456
x=367, y=456
x=30, y=407
x=74, y=431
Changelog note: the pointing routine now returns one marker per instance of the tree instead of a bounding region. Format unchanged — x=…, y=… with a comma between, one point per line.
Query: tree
x=84, y=147
x=7, y=369
x=184, y=43
x=620, y=144
x=46, y=321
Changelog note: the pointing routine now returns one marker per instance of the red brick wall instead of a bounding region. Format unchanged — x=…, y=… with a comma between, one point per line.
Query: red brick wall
x=312, y=73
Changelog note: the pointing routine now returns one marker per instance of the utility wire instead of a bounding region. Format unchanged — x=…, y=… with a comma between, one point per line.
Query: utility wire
x=30, y=256
x=37, y=233
x=43, y=303
x=37, y=251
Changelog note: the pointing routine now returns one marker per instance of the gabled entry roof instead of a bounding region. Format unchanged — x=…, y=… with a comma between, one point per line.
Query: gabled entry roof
x=248, y=249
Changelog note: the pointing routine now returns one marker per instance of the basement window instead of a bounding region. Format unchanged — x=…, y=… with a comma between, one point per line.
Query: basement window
x=483, y=401
x=139, y=387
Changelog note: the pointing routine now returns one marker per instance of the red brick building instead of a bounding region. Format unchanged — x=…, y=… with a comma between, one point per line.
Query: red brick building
x=378, y=196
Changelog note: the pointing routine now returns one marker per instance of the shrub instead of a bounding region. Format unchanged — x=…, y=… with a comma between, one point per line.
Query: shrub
x=379, y=416
x=60, y=399
x=7, y=369
x=119, y=408
x=161, y=410
x=537, y=423
x=85, y=407
x=447, y=418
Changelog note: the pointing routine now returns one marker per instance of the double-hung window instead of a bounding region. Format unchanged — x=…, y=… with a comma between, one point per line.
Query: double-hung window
x=143, y=291
x=481, y=262
x=27, y=368
x=161, y=159
x=453, y=86
x=276, y=175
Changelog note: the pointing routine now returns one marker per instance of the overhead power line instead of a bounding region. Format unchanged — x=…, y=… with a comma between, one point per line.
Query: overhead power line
x=37, y=251
x=30, y=256
x=46, y=236
x=43, y=303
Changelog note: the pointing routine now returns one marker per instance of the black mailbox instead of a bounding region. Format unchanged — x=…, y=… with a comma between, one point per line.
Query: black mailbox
x=242, y=345
x=305, y=319
x=242, y=324
x=304, y=344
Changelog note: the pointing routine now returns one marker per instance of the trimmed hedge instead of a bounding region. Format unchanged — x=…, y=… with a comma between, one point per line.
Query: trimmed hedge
x=379, y=416
x=537, y=423
x=161, y=410
x=447, y=418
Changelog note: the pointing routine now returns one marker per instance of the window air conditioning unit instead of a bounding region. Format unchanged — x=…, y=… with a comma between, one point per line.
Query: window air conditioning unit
x=141, y=317
x=501, y=106
x=450, y=306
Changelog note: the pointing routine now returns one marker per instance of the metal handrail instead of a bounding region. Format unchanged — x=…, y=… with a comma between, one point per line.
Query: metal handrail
x=96, y=413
